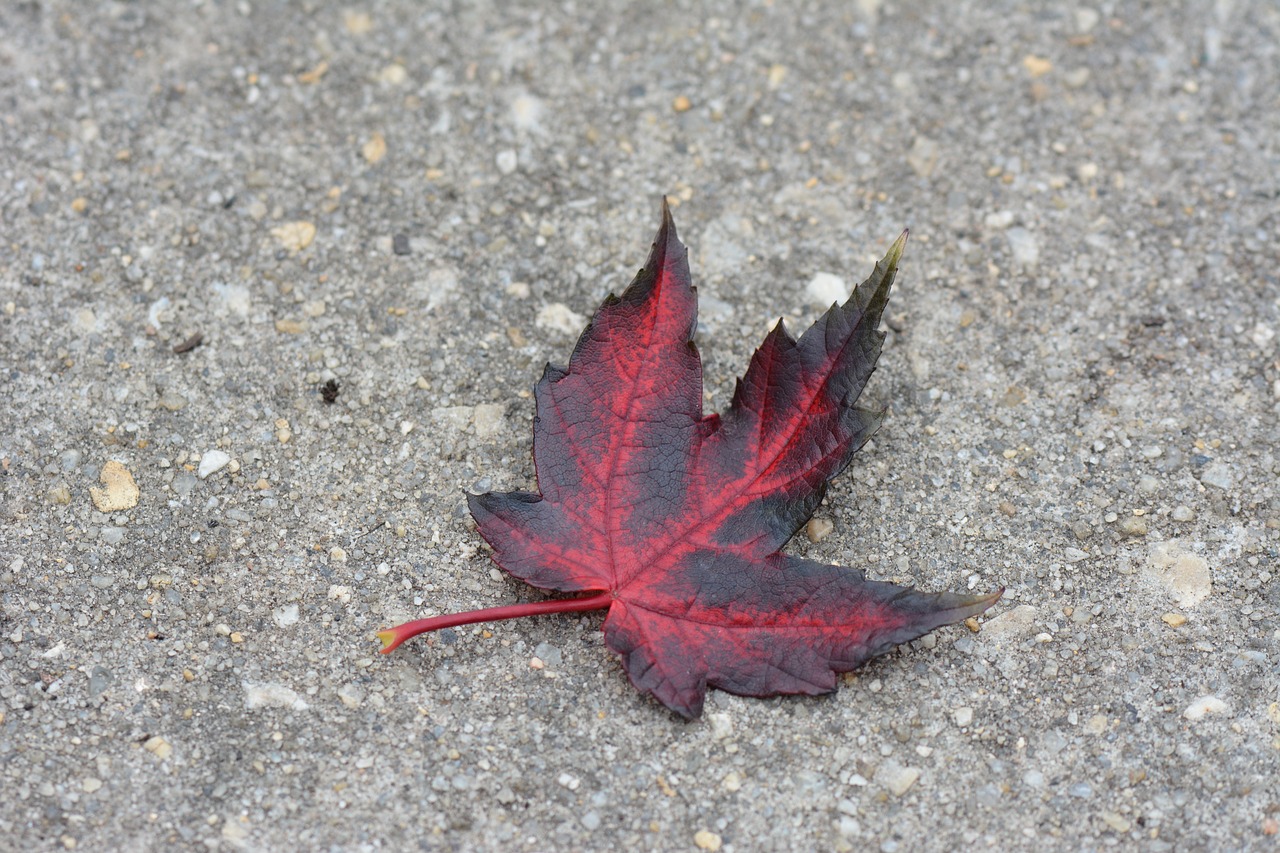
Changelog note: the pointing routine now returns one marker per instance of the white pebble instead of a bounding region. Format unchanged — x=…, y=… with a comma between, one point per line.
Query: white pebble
x=212, y=462
x=825, y=288
x=1205, y=705
x=506, y=161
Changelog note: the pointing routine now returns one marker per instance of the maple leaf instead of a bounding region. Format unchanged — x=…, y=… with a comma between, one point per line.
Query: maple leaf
x=674, y=521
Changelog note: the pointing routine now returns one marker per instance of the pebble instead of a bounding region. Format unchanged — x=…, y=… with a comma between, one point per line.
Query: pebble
x=506, y=161
x=819, y=528
x=705, y=839
x=1174, y=620
x=1074, y=555
x=183, y=483
x=159, y=747
x=559, y=318
x=351, y=695
x=1182, y=572
x=1133, y=525
x=825, y=288
x=1116, y=821
x=91, y=784
x=923, y=156
x=112, y=535
x=1183, y=513
x=1204, y=706
x=1024, y=246
x=721, y=726
x=549, y=654
x=999, y=220
x=963, y=716
x=1219, y=475
x=591, y=820
x=120, y=492
x=295, y=236
x=285, y=615
x=900, y=779
x=212, y=462
x=267, y=695
x=1148, y=485
x=489, y=419
x=1010, y=625
x=1082, y=790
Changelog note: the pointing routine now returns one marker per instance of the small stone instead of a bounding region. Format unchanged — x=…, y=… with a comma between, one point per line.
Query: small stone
x=267, y=695
x=591, y=821
x=1086, y=19
x=294, y=236
x=1174, y=620
x=1076, y=78
x=400, y=244
x=705, y=839
x=1037, y=66
x=923, y=156
x=1219, y=475
x=351, y=695
x=1024, y=246
x=506, y=161
x=962, y=716
x=825, y=288
x=1074, y=555
x=121, y=491
x=1148, y=485
x=159, y=747
x=1182, y=513
x=284, y=433
x=112, y=535
x=1184, y=573
x=549, y=654
x=285, y=615
x=900, y=780
x=172, y=401
x=732, y=781
x=212, y=462
x=90, y=785
x=1133, y=525
x=374, y=149
x=1087, y=172
x=489, y=419
x=558, y=318
x=393, y=74
x=1204, y=706
x=818, y=529
x=337, y=554
x=681, y=104
x=290, y=327
x=721, y=726
x=999, y=220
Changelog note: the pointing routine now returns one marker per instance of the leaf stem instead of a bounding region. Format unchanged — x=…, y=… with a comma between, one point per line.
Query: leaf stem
x=393, y=637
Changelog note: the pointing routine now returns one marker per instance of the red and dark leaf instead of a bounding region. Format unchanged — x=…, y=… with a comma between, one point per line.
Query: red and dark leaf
x=673, y=520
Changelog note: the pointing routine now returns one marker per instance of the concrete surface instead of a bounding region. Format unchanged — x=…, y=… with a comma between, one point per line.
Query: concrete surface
x=196, y=549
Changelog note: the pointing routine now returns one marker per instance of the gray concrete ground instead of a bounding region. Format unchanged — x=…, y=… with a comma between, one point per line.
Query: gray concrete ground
x=424, y=205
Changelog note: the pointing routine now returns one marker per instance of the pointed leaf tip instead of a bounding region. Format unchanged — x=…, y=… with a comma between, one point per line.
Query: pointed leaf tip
x=389, y=641
x=895, y=251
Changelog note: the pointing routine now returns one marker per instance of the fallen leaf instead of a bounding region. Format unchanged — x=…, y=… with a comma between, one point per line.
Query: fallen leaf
x=674, y=521
x=294, y=236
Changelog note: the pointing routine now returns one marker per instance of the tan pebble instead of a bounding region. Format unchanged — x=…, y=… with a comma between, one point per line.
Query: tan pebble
x=121, y=491
x=237, y=637
x=313, y=76
x=295, y=236
x=967, y=319
x=1116, y=821
x=159, y=747
x=1174, y=620
x=357, y=23
x=972, y=624
x=819, y=528
x=394, y=74
x=1008, y=509
x=1037, y=66
x=1133, y=525
x=80, y=204
x=375, y=149
x=283, y=432
x=60, y=495
x=707, y=840
x=536, y=663
x=681, y=105
x=290, y=327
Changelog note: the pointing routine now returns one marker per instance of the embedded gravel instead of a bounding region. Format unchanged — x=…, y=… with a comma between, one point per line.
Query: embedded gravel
x=276, y=280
